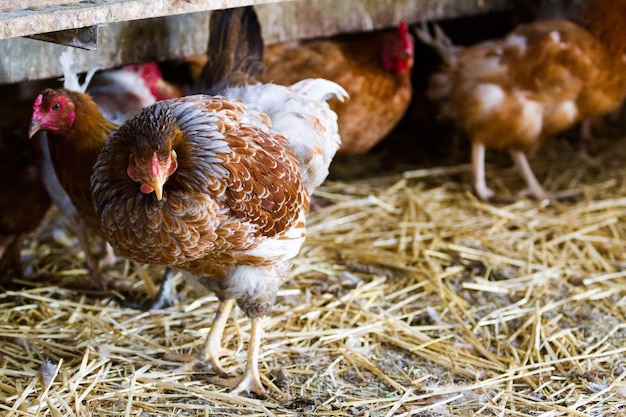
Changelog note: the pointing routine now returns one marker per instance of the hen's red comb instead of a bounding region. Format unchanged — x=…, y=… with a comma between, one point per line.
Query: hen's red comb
x=37, y=104
x=405, y=35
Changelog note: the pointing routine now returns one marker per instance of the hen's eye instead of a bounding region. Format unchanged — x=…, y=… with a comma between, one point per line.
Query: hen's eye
x=56, y=107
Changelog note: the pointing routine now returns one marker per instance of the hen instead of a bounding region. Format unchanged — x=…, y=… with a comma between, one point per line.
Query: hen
x=76, y=131
x=543, y=78
x=219, y=186
x=375, y=69
x=24, y=200
x=124, y=92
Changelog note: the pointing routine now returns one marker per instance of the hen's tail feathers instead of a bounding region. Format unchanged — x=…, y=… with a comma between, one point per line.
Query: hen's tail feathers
x=439, y=42
x=70, y=77
x=235, y=50
x=320, y=89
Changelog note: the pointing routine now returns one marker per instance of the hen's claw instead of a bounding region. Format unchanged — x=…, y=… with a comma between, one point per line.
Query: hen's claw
x=245, y=383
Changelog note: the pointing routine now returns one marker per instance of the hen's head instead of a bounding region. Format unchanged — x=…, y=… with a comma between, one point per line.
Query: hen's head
x=152, y=160
x=52, y=110
x=398, y=54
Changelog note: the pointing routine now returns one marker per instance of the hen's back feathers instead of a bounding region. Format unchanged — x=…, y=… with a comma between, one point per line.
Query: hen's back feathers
x=365, y=64
x=300, y=114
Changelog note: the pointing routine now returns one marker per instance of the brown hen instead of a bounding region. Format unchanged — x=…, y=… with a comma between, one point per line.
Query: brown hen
x=77, y=127
x=375, y=69
x=543, y=78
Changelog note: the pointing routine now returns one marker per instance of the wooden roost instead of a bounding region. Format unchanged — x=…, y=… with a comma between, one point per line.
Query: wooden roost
x=131, y=31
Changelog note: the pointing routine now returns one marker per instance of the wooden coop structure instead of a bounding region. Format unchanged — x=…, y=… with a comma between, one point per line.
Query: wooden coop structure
x=118, y=32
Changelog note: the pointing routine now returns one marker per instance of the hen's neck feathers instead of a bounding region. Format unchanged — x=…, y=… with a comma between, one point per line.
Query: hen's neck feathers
x=74, y=150
x=90, y=128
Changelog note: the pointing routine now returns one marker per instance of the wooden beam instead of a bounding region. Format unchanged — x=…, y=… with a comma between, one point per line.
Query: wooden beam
x=55, y=17
x=181, y=35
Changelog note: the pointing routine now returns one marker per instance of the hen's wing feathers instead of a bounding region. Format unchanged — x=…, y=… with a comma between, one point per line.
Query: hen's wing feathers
x=302, y=116
x=263, y=187
x=235, y=50
x=259, y=180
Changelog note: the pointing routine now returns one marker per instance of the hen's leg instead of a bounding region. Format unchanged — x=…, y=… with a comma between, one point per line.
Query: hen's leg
x=167, y=291
x=478, y=171
x=534, y=187
x=213, y=349
x=251, y=381
x=96, y=279
x=586, y=136
x=109, y=258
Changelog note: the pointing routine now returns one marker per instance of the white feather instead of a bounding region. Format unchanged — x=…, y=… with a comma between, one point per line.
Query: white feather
x=320, y=89
x=70, y=77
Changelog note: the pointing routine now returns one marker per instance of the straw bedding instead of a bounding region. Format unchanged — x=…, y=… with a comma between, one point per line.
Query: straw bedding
x=410, y=297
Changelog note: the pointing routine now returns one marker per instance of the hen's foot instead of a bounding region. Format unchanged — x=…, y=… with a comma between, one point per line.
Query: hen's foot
x=536, y=193
x=249, y=382
x=197, y=362
x=483, y=192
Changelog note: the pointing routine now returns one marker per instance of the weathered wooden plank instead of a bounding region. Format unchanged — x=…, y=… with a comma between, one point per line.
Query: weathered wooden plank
x=11, y=5
x=29, y=21
x=185, y=35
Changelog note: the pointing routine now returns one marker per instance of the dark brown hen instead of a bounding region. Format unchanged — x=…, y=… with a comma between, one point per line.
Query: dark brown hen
x=24, y=200
x=77, y=125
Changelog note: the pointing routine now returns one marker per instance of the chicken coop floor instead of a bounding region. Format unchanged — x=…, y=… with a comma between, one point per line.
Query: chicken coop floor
x=409, y=298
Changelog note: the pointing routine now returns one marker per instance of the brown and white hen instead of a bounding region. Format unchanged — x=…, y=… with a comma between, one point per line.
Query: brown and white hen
x=219, y=187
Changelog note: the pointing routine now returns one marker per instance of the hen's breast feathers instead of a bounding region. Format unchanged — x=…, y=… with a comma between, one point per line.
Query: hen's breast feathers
x=542, y=78
x=236, y=186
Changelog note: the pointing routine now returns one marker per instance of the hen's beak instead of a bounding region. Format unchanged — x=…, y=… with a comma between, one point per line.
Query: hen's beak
x=153, y=185
x=34, y=127
x=157, y=186
x=157, y=177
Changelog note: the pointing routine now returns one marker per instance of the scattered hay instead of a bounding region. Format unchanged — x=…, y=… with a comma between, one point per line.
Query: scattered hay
x=410, y=297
